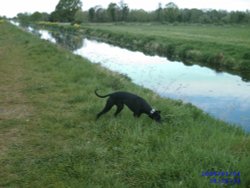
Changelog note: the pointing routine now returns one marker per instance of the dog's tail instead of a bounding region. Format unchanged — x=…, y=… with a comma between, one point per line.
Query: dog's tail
x=101, y=96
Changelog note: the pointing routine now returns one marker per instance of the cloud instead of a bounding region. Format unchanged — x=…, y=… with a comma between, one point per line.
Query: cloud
x=11, y=8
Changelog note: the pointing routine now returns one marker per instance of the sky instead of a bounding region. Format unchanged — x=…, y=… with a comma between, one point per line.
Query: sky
x=11, y=8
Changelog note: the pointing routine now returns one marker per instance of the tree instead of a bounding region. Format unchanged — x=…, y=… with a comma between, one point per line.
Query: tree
x=66, y=10
x=100, y=14
x=237, y=17
x=159, y=13
x=112, y=11
x=91, y=14
x=195, y=15
x=140, y=16
x=171, y=12
x=23, y=18
x=80, y=17
x=124, y=11
x=38, y=16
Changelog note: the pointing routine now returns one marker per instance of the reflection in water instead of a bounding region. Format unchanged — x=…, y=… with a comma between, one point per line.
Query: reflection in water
x=68, y=40
x=225, y=96
x=46, y=35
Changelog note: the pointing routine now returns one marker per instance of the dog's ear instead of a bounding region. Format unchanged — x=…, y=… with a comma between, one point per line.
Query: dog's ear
x=158, y=111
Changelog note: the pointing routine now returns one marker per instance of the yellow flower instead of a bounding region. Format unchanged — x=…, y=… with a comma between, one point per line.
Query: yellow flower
x=77, y=25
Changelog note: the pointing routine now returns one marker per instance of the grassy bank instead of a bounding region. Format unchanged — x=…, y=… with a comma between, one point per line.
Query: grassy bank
x=49, y=138
x=224, y=47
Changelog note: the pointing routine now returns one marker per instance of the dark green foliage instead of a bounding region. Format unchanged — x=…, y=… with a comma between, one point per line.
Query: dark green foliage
x=170, y=51
x=246, y=55
x=112, y=11
x=245, y=66
x=25, y=19
x=65, y=11
x=169, y=13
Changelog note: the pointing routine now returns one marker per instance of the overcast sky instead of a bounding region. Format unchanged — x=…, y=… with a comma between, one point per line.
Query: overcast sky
x=10, y=8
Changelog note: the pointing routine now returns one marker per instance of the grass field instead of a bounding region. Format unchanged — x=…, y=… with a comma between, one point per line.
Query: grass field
x=49, y=136
x=223, y=47
x=224, y=34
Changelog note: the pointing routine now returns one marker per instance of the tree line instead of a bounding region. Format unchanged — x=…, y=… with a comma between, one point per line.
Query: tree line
x=71, y=11
x=169, y=13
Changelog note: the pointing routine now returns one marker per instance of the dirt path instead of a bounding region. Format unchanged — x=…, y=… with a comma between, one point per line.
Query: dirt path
x=14, y=107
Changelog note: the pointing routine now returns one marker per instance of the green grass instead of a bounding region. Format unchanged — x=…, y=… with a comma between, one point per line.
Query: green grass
x=49, y=136
x=224, y=34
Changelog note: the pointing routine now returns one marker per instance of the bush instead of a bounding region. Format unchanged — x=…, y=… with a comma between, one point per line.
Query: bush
x=195, y=55
x=170, y=51
x=184, y=51
x=246, y=55
x=245, y=66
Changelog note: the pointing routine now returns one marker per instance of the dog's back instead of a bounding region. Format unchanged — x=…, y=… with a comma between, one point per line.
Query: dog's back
x=132, y=101
x=136, y=104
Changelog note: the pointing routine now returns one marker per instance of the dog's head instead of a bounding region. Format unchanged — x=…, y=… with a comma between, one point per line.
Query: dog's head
x=155, y=115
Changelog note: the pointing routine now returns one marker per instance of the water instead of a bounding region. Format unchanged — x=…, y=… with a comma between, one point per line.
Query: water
x=222, y=95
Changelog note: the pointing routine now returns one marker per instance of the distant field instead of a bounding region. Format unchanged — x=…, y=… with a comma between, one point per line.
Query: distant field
x=227, y=35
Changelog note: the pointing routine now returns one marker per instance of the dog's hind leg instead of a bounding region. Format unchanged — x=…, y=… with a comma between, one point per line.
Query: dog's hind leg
x=119, y=109
x=107, y=107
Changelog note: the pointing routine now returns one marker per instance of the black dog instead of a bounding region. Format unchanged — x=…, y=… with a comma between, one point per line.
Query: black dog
x=135, y=103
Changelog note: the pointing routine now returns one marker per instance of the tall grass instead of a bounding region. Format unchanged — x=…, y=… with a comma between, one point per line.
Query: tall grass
x=59, y=143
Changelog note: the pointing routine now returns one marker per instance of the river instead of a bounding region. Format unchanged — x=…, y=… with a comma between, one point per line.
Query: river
x=224, y=96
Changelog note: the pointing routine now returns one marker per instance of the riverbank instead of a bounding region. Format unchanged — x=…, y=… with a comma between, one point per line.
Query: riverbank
x=49, y=136
x=223, y=47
